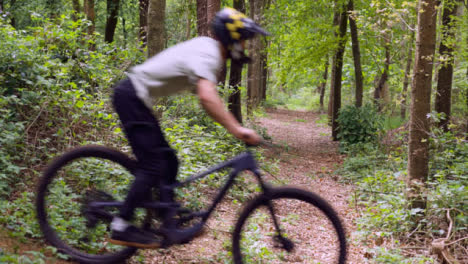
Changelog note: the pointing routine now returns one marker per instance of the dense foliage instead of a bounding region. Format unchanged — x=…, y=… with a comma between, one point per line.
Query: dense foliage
x=55, y=94
x=359, y=124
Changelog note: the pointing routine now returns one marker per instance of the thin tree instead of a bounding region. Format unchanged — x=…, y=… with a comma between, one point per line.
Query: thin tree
x=336, y=24
x=356, y=54
x=188, y=30
x=409, y=61
x=443, y=100
x=323, y=83
x=112, y=17
x=379, y=88
x=337, y=67
x=418, y=149
x=235, y=77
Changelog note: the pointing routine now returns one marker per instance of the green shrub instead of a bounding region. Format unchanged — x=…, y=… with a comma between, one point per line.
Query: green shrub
x=359, y=124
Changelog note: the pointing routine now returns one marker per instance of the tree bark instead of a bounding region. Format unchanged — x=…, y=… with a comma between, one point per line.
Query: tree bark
x=202, y=13
x=1, y=6
x=323, y=84
x=338, y=70
x=90, y=15
x=235, y=76
x=206, y=11
x=264, y=77
x=234, y=101
x=143, y=14
x=336, y=23
x=409, y=61
x=213, y=6
x=255, y=71
x=188, y=28
x=443, y=100
x=356, y=55
x=156, y=30
x=112, y=16
x=418, y=149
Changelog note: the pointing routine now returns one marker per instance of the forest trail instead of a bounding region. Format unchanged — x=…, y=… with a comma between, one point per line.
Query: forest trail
x=307, y=158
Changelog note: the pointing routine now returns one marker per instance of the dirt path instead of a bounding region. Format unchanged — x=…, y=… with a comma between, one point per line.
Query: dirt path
x=307, y=159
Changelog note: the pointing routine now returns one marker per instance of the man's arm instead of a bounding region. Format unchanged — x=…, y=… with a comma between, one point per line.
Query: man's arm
x=214, y=106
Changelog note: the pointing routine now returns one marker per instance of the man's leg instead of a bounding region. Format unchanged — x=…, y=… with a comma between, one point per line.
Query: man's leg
x=146, y=139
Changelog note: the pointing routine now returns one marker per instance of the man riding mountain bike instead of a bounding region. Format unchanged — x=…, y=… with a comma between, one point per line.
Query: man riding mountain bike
x=192, y=65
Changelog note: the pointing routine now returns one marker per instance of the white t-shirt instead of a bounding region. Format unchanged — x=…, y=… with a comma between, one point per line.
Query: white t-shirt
x=177, y=69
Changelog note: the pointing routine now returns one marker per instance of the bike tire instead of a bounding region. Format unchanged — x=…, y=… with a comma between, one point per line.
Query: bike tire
x=47, y=178
x=292, y=193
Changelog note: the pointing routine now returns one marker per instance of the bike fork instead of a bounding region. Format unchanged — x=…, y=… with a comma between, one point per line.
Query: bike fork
x=279, y=238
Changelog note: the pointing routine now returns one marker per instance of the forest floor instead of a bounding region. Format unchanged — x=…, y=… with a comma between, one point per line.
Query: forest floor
x=307, y=158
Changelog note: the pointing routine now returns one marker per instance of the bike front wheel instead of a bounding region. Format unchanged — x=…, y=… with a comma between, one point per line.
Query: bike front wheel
x=68, y=185
x=310, y=230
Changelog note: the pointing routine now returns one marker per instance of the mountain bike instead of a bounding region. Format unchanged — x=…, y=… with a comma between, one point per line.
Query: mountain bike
x=81, y=191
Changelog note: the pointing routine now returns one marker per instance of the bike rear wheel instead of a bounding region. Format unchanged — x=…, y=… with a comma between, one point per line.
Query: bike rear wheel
x=68, y=184
x=311, y=231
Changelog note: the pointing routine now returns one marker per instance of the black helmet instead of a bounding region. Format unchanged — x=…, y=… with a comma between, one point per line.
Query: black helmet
x=231, y=27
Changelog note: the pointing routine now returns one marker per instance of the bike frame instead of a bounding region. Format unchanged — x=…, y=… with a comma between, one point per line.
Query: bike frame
x=169, y=230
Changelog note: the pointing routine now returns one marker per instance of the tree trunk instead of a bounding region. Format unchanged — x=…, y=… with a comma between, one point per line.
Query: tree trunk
x=112, y=16
x=338, y=70
x=213, y=6
x=409, y=61
x=336, y=23
x=1, y=6
x=379, y=89
x=418, y=152
x=323, y=84
x=90, y=15
x=12, y=19
x=156, y=35
x=188, y=28
x=235, y=77
x=356, y=55
x=143, y=29
x=76, y=9
x=202, y=13
x=443, y=100
x=156, y=32
x=264, y=77
x=255, y=71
